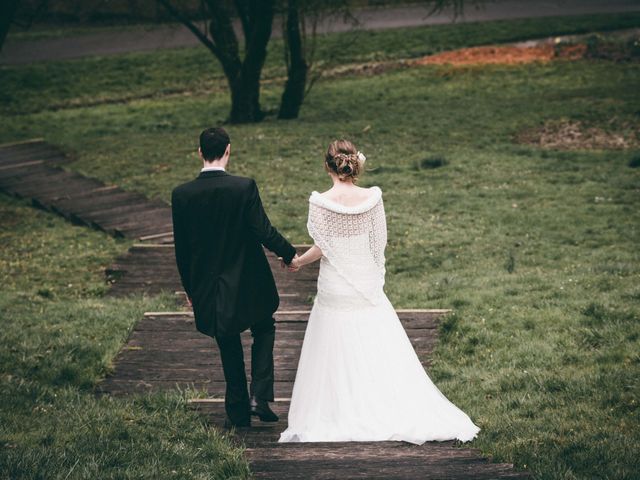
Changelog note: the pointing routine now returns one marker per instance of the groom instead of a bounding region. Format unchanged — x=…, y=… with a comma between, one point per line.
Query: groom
x=219, y=228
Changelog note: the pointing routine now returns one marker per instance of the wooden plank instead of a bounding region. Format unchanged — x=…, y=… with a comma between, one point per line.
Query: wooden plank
x=48, y=157
x=127, y=386
x=411, y=319
x=96, y=202
x=123, y=213
x=116, y=221
x=22, y=176
x=12, y=178
x=379, y=469
x=407, y=312
x=19, y=164
x=201, y=402
x=20, y=143
x=71, y=197
x=130, y=216
x=150, y=222
x=154, y=236
x=168, y=239
x=55, y=184
x=54, y=201
x=150, y=228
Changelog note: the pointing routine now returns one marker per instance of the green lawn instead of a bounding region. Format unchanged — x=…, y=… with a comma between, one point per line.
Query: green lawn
x=59, y=336
x=536, y=251
x=194, y=71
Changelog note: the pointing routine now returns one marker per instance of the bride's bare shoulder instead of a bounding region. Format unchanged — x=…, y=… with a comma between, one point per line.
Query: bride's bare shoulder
x=357, y=191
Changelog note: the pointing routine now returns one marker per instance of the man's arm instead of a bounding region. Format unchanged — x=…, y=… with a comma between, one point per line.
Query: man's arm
x=181, y=243
x=261, y=227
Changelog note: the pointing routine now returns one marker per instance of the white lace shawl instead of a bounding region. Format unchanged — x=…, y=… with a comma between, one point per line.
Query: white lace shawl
x=352, y=240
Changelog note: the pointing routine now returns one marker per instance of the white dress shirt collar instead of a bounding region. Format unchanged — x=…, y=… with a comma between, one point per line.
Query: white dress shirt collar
x=206, y=169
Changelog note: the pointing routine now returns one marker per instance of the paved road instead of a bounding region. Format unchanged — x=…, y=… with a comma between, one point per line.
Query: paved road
x=171, y=36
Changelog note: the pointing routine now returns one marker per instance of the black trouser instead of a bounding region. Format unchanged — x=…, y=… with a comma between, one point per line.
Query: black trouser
x=237, y=398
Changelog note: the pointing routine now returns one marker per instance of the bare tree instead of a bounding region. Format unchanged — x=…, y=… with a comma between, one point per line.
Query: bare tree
x=218, y=35
x=300, y=26
x=300, y=31
x=296, y=61
x=300, y=20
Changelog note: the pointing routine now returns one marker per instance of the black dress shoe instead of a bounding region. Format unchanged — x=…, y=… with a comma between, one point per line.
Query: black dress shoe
x=260, y=409
x=228, y=424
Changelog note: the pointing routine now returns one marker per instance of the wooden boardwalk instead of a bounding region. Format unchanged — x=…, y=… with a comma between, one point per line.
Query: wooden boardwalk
x=151, y=268
x=164, y=351
x=32, y=170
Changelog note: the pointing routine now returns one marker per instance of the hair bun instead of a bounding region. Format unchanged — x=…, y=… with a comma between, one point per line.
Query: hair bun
x=344, y=163
x=343, y=158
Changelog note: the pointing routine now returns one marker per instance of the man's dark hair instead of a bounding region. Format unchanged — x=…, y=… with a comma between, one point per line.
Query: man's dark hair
x=213, y=143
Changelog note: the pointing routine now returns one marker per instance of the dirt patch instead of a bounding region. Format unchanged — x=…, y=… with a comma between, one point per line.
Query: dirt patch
x=494, y=54
x=567, y=134
x=507, y=54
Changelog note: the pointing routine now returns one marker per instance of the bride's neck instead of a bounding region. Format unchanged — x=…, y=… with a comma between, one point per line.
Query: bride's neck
x=342, y=184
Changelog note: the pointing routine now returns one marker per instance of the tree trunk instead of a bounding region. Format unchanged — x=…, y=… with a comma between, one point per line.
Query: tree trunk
x=243, y=75
x=256, y=20
x=297, y=67
x=7, y=11
x=245, y=100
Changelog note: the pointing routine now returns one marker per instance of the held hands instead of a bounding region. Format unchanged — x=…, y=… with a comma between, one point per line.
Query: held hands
x=294, y=266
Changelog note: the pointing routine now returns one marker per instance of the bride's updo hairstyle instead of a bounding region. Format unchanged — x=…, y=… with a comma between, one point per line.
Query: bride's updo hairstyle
x=342, y=159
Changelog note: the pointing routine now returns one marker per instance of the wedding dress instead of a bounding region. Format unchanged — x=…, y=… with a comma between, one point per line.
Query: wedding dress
x=359, y=378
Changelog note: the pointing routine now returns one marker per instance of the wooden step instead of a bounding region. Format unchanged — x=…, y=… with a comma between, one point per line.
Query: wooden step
x=29, y=170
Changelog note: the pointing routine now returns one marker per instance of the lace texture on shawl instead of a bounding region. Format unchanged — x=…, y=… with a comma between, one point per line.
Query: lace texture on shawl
x=352, y=240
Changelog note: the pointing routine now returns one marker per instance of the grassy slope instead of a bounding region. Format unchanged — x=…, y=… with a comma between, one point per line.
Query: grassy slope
x=536, y=251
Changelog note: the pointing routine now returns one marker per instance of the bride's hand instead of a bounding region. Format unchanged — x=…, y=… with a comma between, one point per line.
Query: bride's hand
x=294, y=266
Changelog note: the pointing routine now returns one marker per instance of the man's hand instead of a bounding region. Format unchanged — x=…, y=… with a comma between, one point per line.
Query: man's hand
x=294, y=266
x=189, y=302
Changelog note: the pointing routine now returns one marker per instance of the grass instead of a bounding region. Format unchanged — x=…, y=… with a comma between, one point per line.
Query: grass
x=535, y=250
x=194, y=71
x=58, y=338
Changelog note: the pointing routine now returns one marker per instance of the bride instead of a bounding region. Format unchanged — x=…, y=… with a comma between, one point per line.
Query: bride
x=359, y=378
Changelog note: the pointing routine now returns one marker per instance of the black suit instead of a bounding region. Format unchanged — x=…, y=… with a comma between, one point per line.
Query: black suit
x=219, y=228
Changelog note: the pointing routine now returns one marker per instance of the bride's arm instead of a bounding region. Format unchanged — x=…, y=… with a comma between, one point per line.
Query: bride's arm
x=310, y=256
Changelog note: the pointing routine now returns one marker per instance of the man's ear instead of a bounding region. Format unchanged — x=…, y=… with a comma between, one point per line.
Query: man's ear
x=228, y=150
x=200, y=153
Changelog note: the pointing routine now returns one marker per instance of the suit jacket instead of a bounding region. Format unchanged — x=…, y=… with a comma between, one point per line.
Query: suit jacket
x=219, y=228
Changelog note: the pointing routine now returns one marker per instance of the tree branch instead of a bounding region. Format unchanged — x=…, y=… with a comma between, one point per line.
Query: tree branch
x=223, y=35
x=458, y=6
x=243, y=13
x=195, y=30
x=261, y=14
